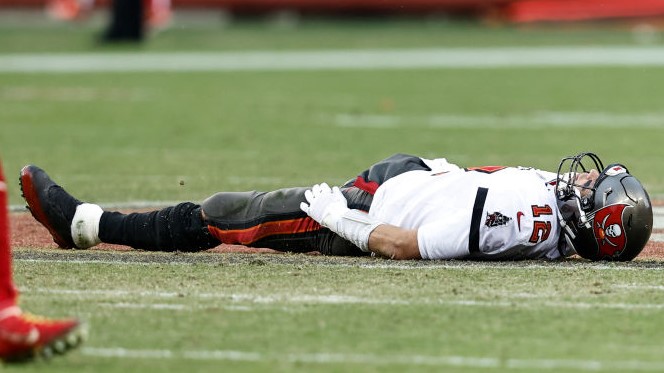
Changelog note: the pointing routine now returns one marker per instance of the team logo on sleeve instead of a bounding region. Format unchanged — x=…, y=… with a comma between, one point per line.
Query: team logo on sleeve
x=496, y=219
x=609, y=230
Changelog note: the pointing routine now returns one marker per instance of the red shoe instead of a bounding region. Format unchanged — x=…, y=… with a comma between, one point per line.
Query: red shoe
x=24, y=336
x=158, y=14
x=67, y=10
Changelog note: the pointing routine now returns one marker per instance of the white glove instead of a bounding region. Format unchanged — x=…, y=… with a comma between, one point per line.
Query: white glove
x=326, y=205
x=329, y=207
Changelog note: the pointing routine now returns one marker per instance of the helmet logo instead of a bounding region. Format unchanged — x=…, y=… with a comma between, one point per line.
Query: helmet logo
x=609, y=231
x=613, y=231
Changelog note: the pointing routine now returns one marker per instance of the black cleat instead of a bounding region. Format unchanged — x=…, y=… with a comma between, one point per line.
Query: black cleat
x=51, y=205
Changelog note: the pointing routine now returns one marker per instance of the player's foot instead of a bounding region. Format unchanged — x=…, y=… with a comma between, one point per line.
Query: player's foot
x=72, y=223
x=67, y=10
x=51, y=205
x=24, y=336
x=158, y=16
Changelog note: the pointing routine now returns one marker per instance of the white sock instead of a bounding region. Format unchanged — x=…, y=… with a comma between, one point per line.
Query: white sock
x=85, y=225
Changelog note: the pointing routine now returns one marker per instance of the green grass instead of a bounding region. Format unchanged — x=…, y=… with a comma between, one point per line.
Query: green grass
x=125, y=137
x=290, y=309
x=134, y=136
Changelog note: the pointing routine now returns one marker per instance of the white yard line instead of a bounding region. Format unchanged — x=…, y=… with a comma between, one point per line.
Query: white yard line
x=378, y=360
x=464, y=58
x=506, y=300
x=641, y=287
x=152, y=306
x=543, y=119
x=429, y=265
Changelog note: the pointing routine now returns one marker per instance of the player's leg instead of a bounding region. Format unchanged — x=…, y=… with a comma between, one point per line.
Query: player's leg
x=23, y=336
x=257, y=219
x=262, y=219
x=69, y=10
x=7, y=290
x=180, y=227
x=275, y=220
x=74, y=224
x=126, y=23
x=157, y=13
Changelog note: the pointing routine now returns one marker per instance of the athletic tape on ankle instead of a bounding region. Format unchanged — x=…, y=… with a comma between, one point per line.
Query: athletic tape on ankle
x=85, y=225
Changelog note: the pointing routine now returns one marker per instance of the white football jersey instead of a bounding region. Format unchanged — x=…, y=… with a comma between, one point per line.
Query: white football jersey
x=487, y=212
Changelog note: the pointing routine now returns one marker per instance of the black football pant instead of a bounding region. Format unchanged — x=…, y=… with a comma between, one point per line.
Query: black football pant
x=256, y=219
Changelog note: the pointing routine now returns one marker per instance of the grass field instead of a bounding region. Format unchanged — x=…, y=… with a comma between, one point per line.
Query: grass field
x=129, y=137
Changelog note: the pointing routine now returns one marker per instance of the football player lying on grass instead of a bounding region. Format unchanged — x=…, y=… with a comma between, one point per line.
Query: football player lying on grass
x=24, y=336
x=404, y=207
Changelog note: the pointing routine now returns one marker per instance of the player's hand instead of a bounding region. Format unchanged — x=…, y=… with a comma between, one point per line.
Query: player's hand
x=324, y=204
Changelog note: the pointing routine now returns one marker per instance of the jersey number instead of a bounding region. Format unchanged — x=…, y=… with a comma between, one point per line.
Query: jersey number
x=541, y=229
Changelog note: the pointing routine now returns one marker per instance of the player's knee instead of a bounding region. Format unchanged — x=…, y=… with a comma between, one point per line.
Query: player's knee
x=228, y=204
x=187, y=229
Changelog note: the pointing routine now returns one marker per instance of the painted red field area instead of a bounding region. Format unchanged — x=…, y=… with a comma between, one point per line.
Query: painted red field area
x=27, y=232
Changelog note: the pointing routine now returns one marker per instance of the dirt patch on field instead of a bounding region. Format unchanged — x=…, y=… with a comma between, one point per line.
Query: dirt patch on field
x=26, y=232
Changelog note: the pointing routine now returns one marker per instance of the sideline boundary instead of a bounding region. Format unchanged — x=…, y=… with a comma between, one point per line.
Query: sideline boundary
x=315, y=60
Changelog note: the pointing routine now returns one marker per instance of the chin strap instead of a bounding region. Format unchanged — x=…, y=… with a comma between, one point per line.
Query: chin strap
x=565, y=244
x=568, y=233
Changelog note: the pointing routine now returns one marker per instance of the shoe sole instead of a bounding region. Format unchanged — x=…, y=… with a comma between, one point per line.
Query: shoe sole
x=58, y=346
x=34, y=205
x=64, y=343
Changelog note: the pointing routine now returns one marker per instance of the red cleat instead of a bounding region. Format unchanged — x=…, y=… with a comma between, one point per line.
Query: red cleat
x=157, y=13
x=51, y=205
x=68, y=10
x=25, y=337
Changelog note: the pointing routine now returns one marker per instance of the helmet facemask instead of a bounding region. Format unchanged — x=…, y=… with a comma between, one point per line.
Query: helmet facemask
x=567, y=187
x=572, y=202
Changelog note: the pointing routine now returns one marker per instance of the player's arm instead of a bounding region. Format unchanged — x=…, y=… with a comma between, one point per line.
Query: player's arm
x=393, y=242
x=329, y=207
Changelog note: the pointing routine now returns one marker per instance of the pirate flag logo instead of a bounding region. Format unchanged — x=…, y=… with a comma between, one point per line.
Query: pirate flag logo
x=609, y=230
x=496, y=219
